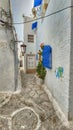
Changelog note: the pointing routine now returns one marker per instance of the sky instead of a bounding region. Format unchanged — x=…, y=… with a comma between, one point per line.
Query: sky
x=20, y=7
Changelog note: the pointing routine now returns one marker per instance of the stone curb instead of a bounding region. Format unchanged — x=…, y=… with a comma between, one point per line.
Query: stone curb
x=57, y=109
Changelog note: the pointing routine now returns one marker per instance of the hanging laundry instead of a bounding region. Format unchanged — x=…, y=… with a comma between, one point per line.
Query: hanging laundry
x=34, y=25
x=37, y=2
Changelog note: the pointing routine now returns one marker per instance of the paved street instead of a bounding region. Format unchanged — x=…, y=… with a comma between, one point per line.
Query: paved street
x=29, y=110
x=39, y=101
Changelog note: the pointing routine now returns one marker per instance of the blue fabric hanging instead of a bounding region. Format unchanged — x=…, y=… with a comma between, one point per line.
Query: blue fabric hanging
x=47, y=57
x=36, y=56
x=34, y=25
x=37, y=2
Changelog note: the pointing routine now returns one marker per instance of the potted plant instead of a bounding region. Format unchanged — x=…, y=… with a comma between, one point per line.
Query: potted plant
x=40, y=69
x=41, y=73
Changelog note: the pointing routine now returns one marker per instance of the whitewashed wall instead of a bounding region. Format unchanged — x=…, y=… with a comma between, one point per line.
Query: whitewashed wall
x=7, y=57
x=4, y=5
x=55, y=31
x=31, y=47
x=71, y=68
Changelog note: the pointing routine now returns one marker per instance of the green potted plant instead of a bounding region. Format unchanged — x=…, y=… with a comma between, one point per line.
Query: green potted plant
x=40, y=69
x=41, y=73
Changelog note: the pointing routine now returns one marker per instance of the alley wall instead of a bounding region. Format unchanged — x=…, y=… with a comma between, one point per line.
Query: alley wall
x=8, y=50
x=71, y=68
x=55, y=30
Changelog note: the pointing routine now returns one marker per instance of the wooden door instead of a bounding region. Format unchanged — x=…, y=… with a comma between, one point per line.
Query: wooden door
x=31, y=63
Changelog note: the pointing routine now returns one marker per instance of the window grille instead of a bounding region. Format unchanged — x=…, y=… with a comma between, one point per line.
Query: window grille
x=30, y=38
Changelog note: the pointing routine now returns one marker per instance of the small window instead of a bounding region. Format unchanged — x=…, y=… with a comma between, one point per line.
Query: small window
x=30, y=38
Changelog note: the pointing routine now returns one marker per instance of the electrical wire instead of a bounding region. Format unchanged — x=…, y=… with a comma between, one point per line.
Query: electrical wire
x=17, y=23
x=45, y=16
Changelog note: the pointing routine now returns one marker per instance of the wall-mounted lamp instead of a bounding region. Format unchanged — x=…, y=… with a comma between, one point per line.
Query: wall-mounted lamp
x=23, y=49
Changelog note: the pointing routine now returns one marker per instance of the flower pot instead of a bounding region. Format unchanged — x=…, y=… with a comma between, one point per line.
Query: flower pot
x=39, y=81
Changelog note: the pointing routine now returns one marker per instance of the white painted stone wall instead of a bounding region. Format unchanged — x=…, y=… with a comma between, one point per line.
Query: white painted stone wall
x=5, y=5
x=71, y=68
x=30, y=46
x=7, y=54
x=55, y=31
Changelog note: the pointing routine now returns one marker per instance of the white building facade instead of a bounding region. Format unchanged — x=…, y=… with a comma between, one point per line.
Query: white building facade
x=56, y=30
x=29, y=62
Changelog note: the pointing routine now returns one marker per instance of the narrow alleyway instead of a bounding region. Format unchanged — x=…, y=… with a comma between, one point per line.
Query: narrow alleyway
x=36, y=98
x=29, y=110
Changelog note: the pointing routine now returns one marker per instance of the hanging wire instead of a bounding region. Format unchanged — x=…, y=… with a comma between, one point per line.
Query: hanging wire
x=45, y=16
x=17, y=23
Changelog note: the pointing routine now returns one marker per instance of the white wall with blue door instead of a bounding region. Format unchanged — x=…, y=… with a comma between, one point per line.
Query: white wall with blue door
x=55, y=30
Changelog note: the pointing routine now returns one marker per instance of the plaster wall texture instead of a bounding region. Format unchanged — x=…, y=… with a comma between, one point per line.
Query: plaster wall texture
x=71, y=68
x=31, y=46
x=56, y=31
x=7, y=58
x=5, y=5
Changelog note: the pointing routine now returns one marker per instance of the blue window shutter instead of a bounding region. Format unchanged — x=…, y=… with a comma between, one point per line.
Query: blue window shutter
x=47, y=57
x=34, y=25
x=37, y=2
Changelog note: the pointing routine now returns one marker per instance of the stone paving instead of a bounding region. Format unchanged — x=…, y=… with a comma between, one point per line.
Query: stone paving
x=41, y=104
x=29, y=110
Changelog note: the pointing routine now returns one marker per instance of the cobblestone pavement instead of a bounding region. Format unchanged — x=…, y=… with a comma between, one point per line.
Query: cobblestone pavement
x=29, y=110
x=36, y=96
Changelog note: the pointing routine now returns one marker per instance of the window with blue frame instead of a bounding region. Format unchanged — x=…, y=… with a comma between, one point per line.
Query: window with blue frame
x=47, y=57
